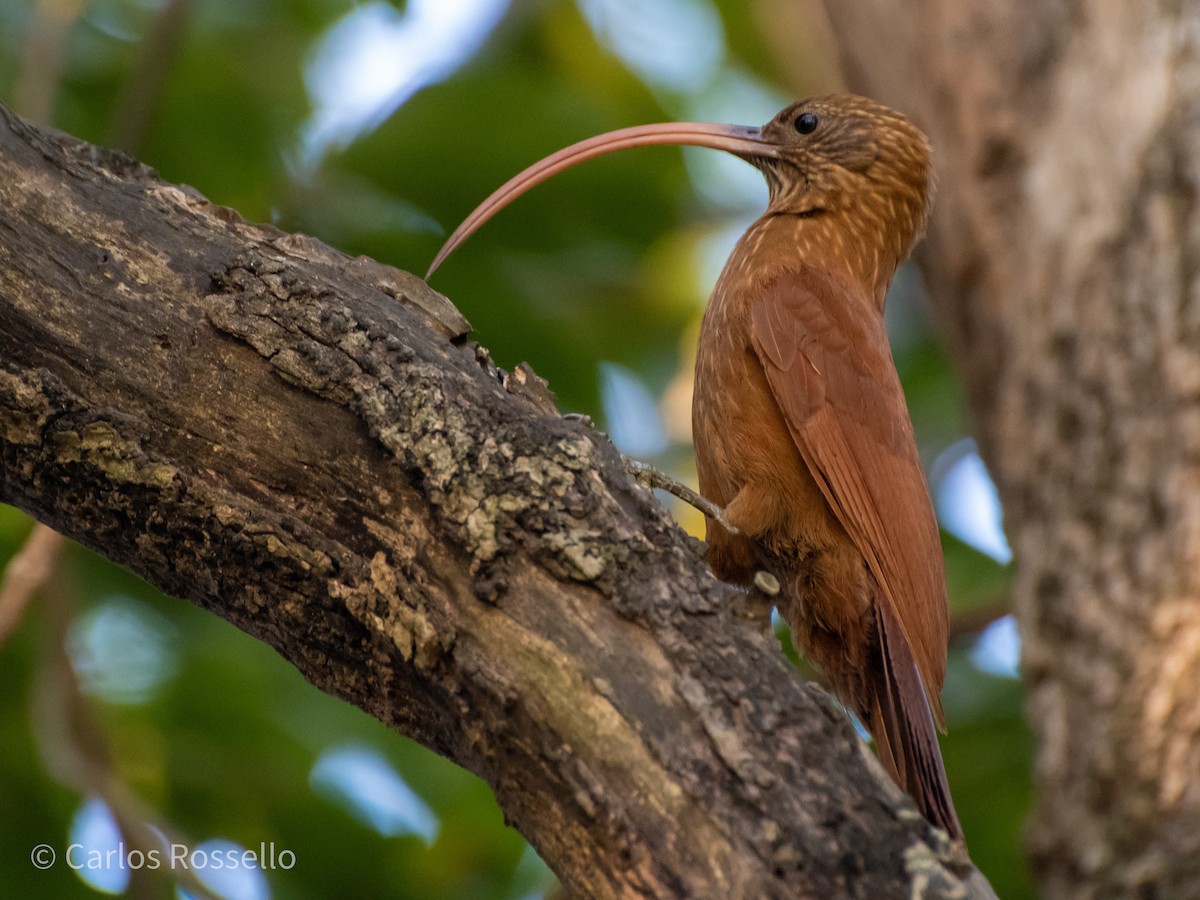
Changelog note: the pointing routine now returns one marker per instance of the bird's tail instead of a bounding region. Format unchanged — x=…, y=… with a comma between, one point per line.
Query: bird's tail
x=902, y=725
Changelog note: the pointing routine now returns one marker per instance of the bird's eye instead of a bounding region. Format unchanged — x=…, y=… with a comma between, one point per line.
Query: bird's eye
x=806, y=123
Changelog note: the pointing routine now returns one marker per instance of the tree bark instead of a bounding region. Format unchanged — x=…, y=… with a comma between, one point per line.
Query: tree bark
x=306, y=445
x=1064, y=265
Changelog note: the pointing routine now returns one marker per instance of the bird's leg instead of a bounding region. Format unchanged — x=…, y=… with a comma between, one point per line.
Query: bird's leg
x=651, y=477
x=765, y=583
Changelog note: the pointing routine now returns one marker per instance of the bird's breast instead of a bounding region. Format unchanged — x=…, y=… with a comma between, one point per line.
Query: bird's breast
x=749, y=462
x=740, y=434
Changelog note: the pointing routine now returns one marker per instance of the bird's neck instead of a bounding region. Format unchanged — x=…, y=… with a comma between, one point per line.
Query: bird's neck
x=858, y=225
x=843, y=242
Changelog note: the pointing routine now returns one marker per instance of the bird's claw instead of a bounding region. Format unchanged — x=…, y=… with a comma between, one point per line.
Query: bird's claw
x=582, y=418
x=766, y=583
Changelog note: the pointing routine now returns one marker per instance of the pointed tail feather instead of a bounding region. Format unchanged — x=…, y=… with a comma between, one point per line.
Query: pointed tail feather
x=902, y=726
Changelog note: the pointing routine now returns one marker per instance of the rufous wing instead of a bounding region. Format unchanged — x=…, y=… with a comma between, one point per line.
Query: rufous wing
x=827, y=360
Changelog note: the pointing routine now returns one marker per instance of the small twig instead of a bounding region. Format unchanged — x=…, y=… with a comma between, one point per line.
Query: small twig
x=75, y=751
x=27, y=572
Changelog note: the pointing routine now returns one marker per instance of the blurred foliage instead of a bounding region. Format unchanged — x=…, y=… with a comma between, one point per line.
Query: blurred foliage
x=608, y=263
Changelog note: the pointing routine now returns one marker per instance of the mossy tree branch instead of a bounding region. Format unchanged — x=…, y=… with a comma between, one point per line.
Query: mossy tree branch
x=306, y=445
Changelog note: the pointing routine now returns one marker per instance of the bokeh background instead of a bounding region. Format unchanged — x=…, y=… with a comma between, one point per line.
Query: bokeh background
x=376, y=127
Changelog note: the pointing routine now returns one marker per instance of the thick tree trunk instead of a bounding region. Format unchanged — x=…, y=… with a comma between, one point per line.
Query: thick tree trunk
x=1064, y=263
x=304, y=444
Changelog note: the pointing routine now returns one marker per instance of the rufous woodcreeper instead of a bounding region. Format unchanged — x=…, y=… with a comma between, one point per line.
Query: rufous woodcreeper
x=799, y=421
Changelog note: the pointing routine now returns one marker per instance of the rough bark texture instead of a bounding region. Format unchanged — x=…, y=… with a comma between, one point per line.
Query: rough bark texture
x=305, y=445
x=1064, y=264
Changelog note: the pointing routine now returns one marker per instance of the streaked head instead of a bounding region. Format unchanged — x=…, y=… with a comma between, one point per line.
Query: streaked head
x=849, y=154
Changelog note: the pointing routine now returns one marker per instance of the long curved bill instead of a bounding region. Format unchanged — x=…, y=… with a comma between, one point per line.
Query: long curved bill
x=740, y=140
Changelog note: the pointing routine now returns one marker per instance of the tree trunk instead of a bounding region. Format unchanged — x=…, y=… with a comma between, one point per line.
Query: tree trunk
x=305, y=445
x=1063, y=264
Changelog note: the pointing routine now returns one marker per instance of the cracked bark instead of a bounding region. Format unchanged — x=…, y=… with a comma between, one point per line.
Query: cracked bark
x=1067, y=240
x=305, y=445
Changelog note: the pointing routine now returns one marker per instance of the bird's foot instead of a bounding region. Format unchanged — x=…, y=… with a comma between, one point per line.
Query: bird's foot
x=754, y=602
x=652, y=478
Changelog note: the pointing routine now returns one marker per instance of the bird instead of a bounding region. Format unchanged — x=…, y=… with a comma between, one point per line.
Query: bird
x=802, y=436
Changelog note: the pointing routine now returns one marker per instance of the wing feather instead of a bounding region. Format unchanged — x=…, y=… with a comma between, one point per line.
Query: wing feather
x=829, y=365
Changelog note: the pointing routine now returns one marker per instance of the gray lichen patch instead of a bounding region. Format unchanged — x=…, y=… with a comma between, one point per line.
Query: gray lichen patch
x=24, y=408
x=379, y=605
x=493, y=489
x=929, y=875
x=580, y=555
x=102, y=446
x=282, y=545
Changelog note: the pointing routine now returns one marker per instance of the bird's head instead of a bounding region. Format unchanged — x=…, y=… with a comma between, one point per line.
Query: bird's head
x=827, y=155
x=848, y=154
